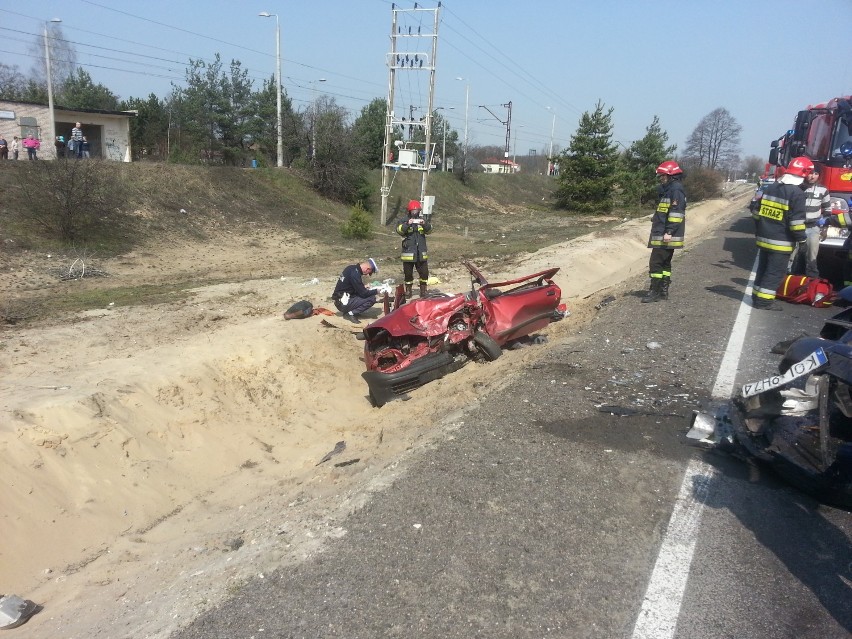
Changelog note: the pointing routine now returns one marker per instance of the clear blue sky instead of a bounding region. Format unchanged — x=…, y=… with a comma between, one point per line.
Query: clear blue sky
x=761, y=60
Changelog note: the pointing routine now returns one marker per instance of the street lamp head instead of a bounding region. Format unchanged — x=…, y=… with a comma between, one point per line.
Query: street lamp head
x=266, y=14
x=321, y=80
x=56, y=19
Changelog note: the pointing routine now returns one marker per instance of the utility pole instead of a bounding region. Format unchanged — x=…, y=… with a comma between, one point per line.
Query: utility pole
x=552, y=131
x=508, y=125
x=508, y=134
x=466, y=111
x=398, y=60
x=278, y=126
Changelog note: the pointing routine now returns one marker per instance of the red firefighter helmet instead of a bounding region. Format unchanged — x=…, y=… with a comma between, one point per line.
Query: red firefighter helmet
x=669, y=167
x=800, y=166
x=414, y=205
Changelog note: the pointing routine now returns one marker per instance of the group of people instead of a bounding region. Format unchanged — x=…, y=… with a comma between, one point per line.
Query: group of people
x=30, y=143
x=788, y=221
x=77, y=145
x=351, y=297
x=789, y=216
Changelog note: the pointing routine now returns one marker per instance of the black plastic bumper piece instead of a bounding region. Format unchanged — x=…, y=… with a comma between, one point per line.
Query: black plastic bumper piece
x=387, y=386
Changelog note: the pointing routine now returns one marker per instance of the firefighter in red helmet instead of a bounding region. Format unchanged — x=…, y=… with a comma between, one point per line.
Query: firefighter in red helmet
x=779, y=227
x=414, y=254
x=668, y=229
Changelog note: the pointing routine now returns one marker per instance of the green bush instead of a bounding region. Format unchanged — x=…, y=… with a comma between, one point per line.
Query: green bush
x=70, y=199
x=702, y=184
x=359, y=226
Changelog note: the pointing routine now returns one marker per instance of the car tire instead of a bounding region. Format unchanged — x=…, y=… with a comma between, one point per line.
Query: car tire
x=486, y=346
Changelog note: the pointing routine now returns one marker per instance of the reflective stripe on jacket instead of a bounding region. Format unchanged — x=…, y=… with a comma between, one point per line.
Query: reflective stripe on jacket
x=670, y=217
x=780, y=218
x=413, y=232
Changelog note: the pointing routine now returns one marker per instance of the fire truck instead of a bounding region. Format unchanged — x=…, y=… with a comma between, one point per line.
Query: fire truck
x=822, y=132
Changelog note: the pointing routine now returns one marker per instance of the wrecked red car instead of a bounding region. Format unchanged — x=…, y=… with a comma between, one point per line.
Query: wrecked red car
x=424, y=339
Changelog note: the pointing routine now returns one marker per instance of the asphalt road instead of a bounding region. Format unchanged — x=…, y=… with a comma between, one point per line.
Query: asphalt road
x=570, y=504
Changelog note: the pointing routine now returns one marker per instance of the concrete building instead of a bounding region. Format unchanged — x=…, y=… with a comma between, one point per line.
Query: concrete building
x=108, y=132
x=498, y=165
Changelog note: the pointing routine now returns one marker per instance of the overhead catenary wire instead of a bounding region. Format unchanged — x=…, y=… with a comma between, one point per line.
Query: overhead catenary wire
x=519, y=84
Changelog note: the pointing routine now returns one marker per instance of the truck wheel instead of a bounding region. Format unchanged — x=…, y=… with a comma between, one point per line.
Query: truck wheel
x=486, y=346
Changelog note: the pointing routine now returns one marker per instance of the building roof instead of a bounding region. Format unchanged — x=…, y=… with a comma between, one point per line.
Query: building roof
x=62, y=108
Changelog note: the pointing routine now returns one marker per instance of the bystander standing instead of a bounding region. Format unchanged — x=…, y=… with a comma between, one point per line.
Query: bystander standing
x=817, y=210
x=32, y=145
x=77, y=137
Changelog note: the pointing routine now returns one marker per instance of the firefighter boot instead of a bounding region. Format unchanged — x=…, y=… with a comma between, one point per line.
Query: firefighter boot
x=664, y=289
x=422, y=290
x=653, y=295
x=408, y=293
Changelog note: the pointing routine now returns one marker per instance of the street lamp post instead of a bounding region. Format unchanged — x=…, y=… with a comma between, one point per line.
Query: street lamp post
x=314, y=124
x=444, y=149
x=444, y=142
x=515, y=144
x=266, y=14
x=50, y=88
x=466, y=111
x=552, y=131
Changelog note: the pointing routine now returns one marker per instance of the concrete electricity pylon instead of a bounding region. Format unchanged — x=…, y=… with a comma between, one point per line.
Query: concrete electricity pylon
x=402, y=58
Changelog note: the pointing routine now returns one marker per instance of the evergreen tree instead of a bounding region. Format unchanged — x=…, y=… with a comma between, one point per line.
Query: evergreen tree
x=149, y=130
x=263, y=127
x=587, y=169
x=368, y=132
x=637, y=175
x=79, y=92
x=337, y=171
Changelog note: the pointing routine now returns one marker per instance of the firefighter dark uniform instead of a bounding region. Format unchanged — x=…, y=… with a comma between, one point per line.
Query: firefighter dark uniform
x=779, y=227
x=414, y=252
x=350, y=295
x=668, y=230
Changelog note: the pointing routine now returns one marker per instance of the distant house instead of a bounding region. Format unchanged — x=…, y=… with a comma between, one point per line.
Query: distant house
x=497, y=165
x=107, y=132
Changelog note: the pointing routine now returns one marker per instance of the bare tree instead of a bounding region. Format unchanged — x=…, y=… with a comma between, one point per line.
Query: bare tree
x=63, y=57
x=11, y=81
x=753, y=166
x=715, y=142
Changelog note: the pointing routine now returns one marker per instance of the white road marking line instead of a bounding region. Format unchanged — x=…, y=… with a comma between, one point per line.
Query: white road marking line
x=661, y=606
x=723, y=389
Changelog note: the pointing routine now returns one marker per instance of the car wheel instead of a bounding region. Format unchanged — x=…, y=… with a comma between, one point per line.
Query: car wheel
x=486, y=346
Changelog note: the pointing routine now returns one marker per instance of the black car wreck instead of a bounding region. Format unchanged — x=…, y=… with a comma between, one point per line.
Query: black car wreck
x=800, y=421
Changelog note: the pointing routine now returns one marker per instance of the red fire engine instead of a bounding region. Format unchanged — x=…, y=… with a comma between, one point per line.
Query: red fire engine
x=822, y=132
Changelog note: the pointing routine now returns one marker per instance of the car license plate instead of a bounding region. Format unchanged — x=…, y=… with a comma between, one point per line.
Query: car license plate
x=834, y=233
x=797, y=370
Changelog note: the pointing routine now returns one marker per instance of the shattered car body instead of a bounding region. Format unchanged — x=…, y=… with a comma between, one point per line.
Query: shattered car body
x=427, y=338
x=800, y=421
